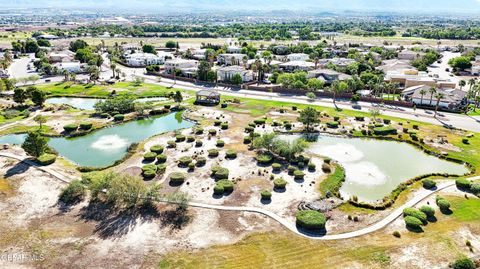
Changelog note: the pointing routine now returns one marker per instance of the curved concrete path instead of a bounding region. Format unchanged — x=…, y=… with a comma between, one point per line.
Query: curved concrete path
x=419, y=196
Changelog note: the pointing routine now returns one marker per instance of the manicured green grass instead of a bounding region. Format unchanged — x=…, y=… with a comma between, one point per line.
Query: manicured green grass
x=333, y=182
x=25, y=129
x=466, y=210
x=4, y=120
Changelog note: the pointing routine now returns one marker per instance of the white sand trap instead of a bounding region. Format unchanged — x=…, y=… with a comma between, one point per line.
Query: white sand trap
x=109, y=142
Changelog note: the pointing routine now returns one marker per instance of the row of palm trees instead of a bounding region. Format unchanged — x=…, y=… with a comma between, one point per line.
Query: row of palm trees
x=434, y=93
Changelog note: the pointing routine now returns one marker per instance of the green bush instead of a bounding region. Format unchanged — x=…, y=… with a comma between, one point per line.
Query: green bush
x=213, y=153
x=217, y=123
x=86, y=125
x=475, y=188
x=220, y=143
x=161, y=158
x=190, y=139
x=386, y=121
x=201, y=161
x=413, y=212
x=428, y=211
x=46, y=159
x=218, y=189
x=119, y=117
x=185, y=161
x=70, y=128
x=198, y=143
x=465, y=141
x=428, y=183
x=149, y=174
x=442, y=203
x=198, y=131
x=287, y=125
x=249, y=129
x=463, y=184
x=260, y=121
x=224, y=184
x=311, y=166
x=266, y=195
x=73, y=193
x=359, y=118
x=276, y=167
x=150, y=167
x=463, y=263
x=150, y=156
x=385, y=130
x=104, y=115
x=311, y=220
x=298, y=175
x=157, y=149
x=413, y=222
x=231, y=154
x=180, y=138
x=212, y=132
x=264, y=158
x=220, y=173
x=161, y=168
x=177, y=177
x=332, y=124
x=291, y=169
x=247, y=140
x=171, y=144
x=224, y=126
x=279, y=183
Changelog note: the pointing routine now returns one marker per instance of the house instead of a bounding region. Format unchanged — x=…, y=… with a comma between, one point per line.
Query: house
x=129, y=47
x=71, y=67
x=234, y=50
x=328, y=75
x=58, y=57
x=47, y=37
x=188, y=68
x=143, y=59
x=207, y=97
x=231, y=58
x=297, y=57
x=395, y=65
x=296, y=66
x=453, y=100
x=227, y=73
x=409, y=78
x=341, y=62
x=410, y=55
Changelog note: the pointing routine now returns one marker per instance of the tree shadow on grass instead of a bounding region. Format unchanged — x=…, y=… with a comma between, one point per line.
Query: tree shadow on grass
x=447, y=211
x=432, y=219
x=312, y=233
x=175, y=219
x=415, y=229
x=114, y=222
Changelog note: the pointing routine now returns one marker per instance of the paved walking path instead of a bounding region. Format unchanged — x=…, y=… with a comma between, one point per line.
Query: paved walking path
x=419, y=196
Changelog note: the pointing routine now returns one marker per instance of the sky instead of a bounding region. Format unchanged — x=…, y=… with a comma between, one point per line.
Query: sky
x=423, y=6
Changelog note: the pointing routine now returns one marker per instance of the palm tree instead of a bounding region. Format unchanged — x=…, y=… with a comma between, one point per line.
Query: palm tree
x=245, y=61
x=65, y=74
x=462, y=84
x=432, y=91
x=439, y=96
x=338, y=87
x=422, y=93
x=113, y=66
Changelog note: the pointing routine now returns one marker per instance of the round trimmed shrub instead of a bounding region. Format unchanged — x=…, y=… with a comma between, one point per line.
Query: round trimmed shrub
x=276, y=167
x=198, y=143
x=86, y=125
x=221, y=173
x=190, y=139
x=224, y=126
x=217, y=123
x=327, y=160
x=213, y=153
x=247, y=140
x=201, y=161
x=428, y=183
x=161, y=168
x=428, y=210
x=260, y=121
x=227, y=185
x=413, y=222
x=149, y=174
x=264, y=158
x=311, y=166
x=119, y=117
x=413, y=212
x=220, y=143
x=279, y=183
x=287, y=125
x=161, y=158
x=150, y=156
x=104, y=115
x=212, y=132
x=443, y=204
x=249, y=129
x=157, y=149
x=231, y=154
x=311, y=219
x=291, y=169
x=298, y=174
x=171, y=144
x=266, y=195
x=332, y=124
x=151, y=167
x=198, y=131
x=185, y=161
x=191, y=166
x=463, y=184
x=46, y=159
x=463, y=263
x=177, y=177
x=180, y=138
x=70, y=128
x=218, y=189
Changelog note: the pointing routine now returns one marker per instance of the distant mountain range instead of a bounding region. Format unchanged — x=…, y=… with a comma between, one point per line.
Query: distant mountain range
x=422, y=6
